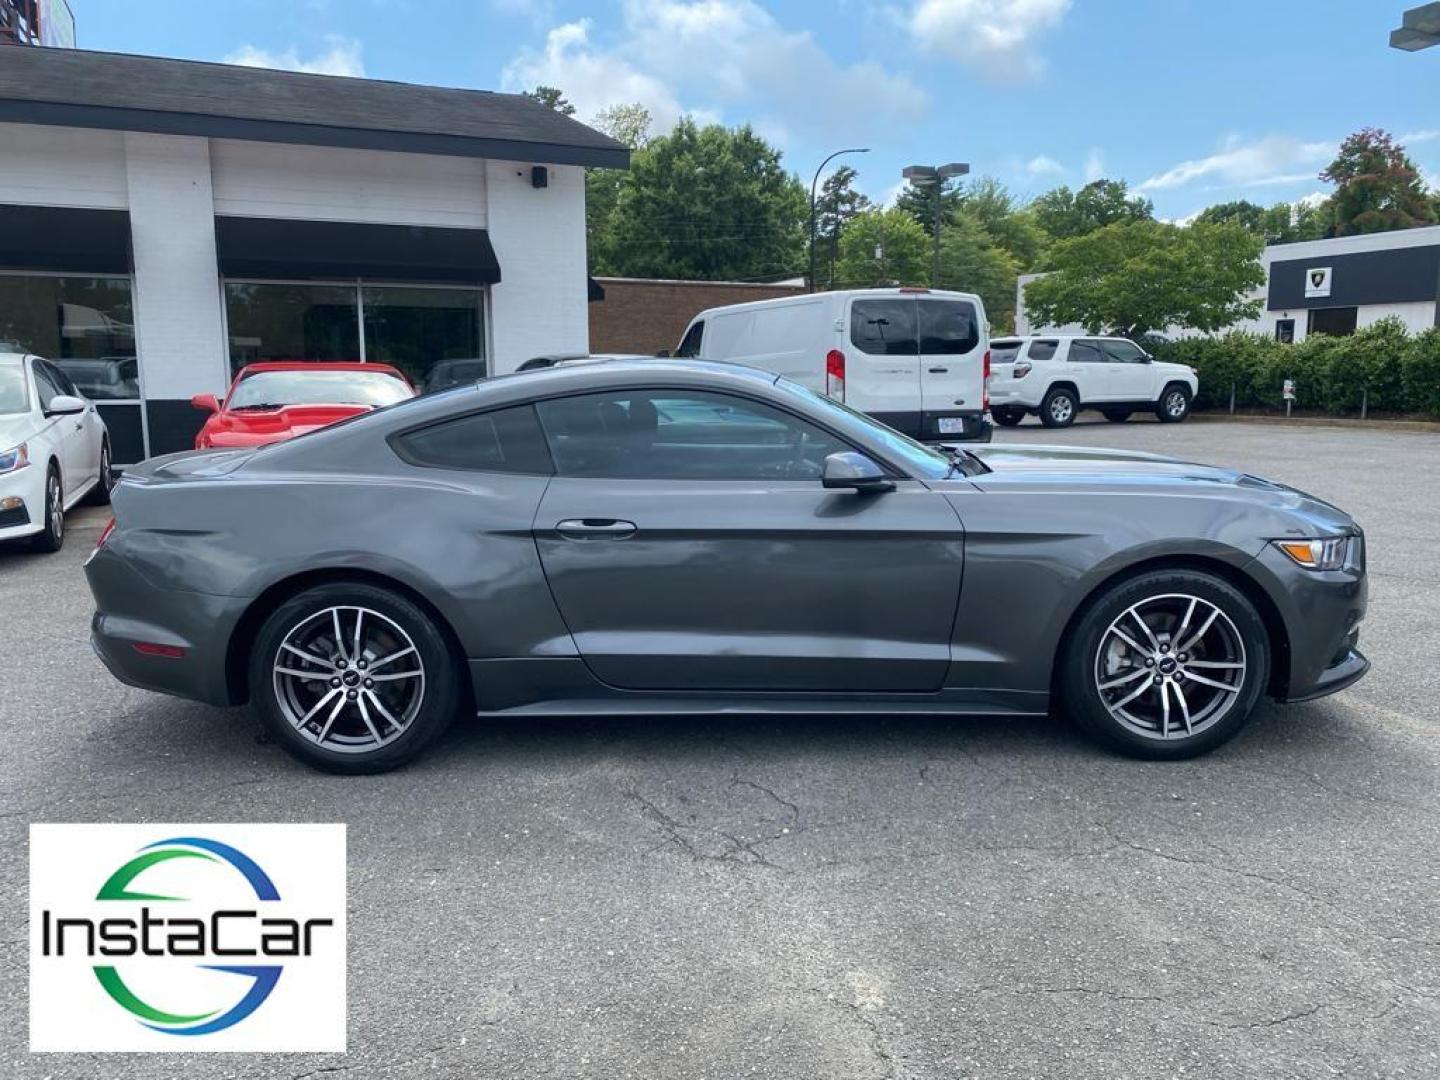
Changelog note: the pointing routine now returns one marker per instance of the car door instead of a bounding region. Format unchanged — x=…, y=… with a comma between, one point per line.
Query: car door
x=65, y=434
x=1131, y=375
x=91, y=431
x=882, y=361
x=1088, y=368
x=689, y=545
x=952, y=358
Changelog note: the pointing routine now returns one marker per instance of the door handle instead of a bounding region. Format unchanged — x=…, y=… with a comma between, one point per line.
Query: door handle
x=595, y=529
x=938, y=370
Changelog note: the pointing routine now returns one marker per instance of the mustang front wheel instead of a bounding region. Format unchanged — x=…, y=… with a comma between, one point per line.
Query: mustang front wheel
x=1166, y=665
x=352, y=678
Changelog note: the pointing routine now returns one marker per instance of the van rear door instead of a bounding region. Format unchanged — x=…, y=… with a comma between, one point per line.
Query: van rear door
x=882, y=360
x=952, y=366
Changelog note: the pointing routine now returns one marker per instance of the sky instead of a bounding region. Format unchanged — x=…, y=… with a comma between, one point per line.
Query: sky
x=1192, y=102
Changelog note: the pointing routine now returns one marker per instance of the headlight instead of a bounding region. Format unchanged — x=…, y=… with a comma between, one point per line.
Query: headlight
x=1326, y=554
x=18, y=458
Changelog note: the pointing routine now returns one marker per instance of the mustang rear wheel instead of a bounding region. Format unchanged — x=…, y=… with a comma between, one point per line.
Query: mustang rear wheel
x=352, y=678
x=1166, y=665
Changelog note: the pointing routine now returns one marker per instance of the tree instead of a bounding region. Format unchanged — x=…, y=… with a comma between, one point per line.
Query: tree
x=1138, y=277
x=551, y=98
x=1377, y=187
x=971, y=261
x=837, y=204
x=992, y=205
x=630, y=124
x=1248, y=215
x=1283, y=223
x=918, y=201
x=1064, y=214
x=883, y=247
x=707, y=203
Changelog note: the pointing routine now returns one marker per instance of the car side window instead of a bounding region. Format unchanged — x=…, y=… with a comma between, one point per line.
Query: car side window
x=1086, y=352
x=681, y=435
x=45, y=385
x=1124, y=352
x=884, y=327
x=690, y=345
x=505, y=440
x=948, y=327
x=1042, y=350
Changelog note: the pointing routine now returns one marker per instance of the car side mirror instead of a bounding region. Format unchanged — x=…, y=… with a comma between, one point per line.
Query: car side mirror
x=64, y=405
x=663, y=353
x=855, y=471
x=1147, y=359
x=206, y=402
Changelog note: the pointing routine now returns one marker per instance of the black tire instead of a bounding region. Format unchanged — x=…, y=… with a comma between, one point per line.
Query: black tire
x=1174, y=404
x=99, y=495
x=1008, y=417
x=51, y=538
x=1058, y=407
x=1082, y=664
x=439, y=691
x=1117, y=416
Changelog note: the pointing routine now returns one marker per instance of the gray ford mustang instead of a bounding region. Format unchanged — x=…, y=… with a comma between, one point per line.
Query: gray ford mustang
x=667, y=537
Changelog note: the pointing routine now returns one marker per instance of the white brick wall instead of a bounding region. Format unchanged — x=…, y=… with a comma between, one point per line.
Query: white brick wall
x=177, y=285
x=52, y=166
x=539, y=238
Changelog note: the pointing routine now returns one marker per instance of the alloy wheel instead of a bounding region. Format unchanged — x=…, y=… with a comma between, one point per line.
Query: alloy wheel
x=349, y=679
x=1061, y=408
x=1170, y=666
x=55, y=508
x=1175, y=403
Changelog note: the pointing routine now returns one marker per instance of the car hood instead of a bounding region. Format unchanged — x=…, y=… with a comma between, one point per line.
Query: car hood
x=15, y=428
x=260, y=426
x=1091, y=468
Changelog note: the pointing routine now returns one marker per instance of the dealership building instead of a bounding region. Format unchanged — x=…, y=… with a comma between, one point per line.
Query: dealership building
x=163, y=222
x=1332, y=286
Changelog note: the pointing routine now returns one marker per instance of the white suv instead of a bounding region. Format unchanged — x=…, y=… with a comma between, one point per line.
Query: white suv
x=1056, y=375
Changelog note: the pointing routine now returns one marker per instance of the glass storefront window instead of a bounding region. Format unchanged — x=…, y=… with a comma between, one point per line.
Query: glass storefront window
x=84, y=325
x=432, y=335
x=291, y=321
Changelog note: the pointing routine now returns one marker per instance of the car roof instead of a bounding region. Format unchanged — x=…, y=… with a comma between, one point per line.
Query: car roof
x=318, y=365
x=838, y=294
x=8, y=358
x=1060, y=337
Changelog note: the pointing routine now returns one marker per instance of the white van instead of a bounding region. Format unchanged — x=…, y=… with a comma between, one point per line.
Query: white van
x=915, y=359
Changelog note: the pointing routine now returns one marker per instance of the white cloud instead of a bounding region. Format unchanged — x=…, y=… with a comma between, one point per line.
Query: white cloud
x=713, y=55
x=1094, y=166
x=1271, y=160
x=1424, y=135
x=996, y=35
x=342, y=57
x=1040, y=165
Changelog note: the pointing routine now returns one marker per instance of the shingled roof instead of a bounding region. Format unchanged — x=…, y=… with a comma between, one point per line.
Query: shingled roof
x=117, y=91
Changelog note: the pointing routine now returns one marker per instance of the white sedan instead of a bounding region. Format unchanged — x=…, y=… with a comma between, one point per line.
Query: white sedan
x=54, y=450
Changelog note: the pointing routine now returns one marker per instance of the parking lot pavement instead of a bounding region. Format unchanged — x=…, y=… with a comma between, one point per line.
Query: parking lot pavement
x=828, y=897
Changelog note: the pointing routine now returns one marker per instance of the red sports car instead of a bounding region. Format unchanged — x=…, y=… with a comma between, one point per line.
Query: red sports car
x=279, y=399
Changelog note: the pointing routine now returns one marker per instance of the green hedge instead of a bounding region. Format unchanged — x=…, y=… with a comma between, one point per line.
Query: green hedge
x=1400, y=371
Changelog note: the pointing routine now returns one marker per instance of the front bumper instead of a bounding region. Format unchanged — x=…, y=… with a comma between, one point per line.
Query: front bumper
x=22, y=502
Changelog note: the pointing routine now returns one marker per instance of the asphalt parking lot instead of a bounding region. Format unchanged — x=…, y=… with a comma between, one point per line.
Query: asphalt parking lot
x=827, y=898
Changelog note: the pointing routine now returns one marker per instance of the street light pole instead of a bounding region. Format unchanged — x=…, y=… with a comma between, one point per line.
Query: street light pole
x=923, y=175
x=813, y=182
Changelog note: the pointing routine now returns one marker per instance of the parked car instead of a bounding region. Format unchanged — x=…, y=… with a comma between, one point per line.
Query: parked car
x=448, y=373
x=109, y=378
x=666, y=537
x=539, y=363
x=1054, y=376
x=279, y=399
x=54, y=451
x=915, y=359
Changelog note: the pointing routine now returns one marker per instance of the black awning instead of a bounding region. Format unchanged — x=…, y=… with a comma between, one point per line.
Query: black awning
x=593, y=290
x=62, y=238
x=280, y=248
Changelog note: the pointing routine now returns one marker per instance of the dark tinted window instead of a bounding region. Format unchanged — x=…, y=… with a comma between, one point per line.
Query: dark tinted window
x=884, y=327
x=1042, y=350
x=1124, y=352
x=507, y=440
x=691, y=345
x=1086, y=352
x=1004, y=352
x=681, y=435
x=948, y=327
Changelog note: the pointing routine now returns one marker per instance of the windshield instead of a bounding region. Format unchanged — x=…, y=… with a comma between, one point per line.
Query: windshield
x=12, y=390
x=275, y=388
x=919, y=459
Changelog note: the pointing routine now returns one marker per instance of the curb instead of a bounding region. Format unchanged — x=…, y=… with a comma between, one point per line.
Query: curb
x=1423, y=427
